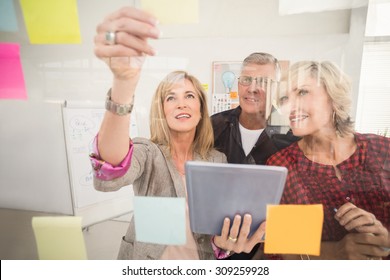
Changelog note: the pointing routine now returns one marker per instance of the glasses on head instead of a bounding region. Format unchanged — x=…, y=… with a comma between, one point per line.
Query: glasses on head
x=260, y=81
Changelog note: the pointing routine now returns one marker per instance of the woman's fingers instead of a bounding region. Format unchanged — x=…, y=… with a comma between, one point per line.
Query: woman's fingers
x=236, y=238
x=126, y=45
x=131, y=12
x=343, y=210
x=235, y=229
x=122, y=41
x=245, y=227
x=225, y=228
x=370, y=245
x=258, y=236
x=132, y=28
x=242, y=239
x=352, y=217
x=359, y=219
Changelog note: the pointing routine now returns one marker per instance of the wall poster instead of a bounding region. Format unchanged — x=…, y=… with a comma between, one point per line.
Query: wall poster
x=224, y=89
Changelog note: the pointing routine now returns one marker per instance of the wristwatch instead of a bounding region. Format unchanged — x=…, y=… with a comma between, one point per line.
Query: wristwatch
x=116, y=108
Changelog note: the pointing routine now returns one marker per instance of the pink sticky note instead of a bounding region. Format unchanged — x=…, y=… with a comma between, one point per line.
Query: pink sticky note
x=12, y=84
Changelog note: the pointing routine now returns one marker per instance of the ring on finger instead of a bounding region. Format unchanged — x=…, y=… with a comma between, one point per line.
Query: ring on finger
x=232, y=239
x=110, y=38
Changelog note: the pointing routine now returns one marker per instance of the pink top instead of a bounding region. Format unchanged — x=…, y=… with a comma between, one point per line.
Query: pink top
x=106, y=171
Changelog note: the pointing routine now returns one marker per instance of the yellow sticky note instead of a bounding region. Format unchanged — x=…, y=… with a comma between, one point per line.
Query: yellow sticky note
x=51, y=22
x=59, y=238
x=173, y=11
x=294, y=229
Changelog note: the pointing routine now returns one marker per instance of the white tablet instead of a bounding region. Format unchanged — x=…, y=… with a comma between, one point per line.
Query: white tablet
x=219, y=190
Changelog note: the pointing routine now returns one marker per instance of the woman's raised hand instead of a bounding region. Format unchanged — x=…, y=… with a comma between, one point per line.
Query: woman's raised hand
x=121, y=40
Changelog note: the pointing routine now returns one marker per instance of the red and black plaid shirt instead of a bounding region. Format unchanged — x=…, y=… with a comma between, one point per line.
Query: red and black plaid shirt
x=365, y=181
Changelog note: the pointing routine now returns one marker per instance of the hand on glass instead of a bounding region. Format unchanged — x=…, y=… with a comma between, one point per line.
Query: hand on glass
x=122, y=40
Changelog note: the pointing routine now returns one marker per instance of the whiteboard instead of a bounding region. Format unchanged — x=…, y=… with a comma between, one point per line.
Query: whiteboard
x=81, y=124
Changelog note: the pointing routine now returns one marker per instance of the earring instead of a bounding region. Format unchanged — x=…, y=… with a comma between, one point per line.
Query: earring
x=335, y=122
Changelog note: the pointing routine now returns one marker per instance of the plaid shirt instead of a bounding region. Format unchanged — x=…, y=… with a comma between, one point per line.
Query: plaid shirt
x=365, y=182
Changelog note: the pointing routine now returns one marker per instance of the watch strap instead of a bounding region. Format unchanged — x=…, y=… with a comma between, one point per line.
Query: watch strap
x=116, y=108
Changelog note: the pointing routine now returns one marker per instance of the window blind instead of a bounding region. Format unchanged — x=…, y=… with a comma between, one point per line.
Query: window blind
x=373, y=107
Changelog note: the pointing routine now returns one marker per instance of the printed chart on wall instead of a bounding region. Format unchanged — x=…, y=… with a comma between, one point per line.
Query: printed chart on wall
x=81, y=124
x=225, y=95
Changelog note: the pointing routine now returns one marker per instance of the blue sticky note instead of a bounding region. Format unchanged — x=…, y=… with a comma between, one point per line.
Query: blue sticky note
x=8, y=22
x=160, y=220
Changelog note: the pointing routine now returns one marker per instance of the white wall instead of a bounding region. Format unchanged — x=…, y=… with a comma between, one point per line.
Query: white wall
x=33, y=171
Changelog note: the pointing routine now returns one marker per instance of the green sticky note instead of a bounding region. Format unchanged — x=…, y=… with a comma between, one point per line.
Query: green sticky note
x=160, y=220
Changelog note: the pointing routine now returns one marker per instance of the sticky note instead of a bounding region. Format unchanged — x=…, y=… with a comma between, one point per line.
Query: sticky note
x=59, y=238
x=12, y=84
x=173, y=11
x=160, y=220
x=8, y=22
x=294, y=229
x=51, y=22
x=233, y=94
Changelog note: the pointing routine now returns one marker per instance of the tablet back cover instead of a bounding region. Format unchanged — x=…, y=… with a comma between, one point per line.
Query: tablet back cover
x=218, y=190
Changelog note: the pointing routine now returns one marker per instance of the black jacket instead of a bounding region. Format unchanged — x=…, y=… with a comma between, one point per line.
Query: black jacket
x=227, y=139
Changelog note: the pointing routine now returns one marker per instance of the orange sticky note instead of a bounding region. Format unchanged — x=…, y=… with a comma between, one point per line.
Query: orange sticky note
x=233, y=95
x=294, y=229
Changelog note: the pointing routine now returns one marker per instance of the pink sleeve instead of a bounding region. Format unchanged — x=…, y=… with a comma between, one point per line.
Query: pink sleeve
x=106, y=171
x=218, y=252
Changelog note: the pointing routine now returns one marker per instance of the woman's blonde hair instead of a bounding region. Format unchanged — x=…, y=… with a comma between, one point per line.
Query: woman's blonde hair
x=337, y=84
x=159, y=130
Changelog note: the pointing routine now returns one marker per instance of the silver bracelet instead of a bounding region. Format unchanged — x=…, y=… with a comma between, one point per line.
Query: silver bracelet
x=116, y=108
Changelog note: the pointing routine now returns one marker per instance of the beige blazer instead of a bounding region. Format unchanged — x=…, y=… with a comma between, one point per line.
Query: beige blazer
x=148, y=180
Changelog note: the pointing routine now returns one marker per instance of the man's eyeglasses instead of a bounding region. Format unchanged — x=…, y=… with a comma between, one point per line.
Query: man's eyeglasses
x=260, y=81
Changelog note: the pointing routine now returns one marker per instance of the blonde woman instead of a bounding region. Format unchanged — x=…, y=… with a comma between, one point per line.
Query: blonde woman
x=346, y=171
x=180, y=131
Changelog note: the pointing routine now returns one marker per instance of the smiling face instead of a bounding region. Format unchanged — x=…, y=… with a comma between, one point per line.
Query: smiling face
x=308, y=107
x=182, y=107
x=253, y=97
